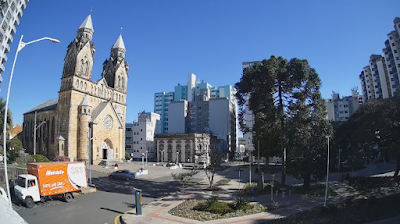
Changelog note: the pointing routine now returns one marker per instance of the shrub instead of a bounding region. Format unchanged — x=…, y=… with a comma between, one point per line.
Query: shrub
x=211, y=201
x=38, y=158
x=220, y=208
x=127, y=156
x=62, y=159
x=240, y=203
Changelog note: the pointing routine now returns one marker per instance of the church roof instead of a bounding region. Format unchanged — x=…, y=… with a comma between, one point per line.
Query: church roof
x=119, y=43
x=96, y=111
x=48, y=105
x=60, y=138
x=85, y=102
x=87, y=23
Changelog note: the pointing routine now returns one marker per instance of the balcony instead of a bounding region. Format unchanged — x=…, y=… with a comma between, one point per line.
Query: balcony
x=129, y=142
x=23, y=5
x=2, y=69
x=13, y=30
x=7, y=48
x=16, y=22
x=10, y=39
x=4, y=59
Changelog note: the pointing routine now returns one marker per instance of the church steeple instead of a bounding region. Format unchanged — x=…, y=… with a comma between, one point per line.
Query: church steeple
x=115, y=70
x=80, y=54
x=87, y=24
x=85, y=31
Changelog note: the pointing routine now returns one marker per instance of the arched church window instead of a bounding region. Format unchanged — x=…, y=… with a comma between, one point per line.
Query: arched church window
x=63, y=124
x=92, y=90
x=81, y=66
x=77, y=83
x=123, y=82
x=86, y=67
x=101, y=90
x=81, y=85
x=85, y=86
x=119, y=81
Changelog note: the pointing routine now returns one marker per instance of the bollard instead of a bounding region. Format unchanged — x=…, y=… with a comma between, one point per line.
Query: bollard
x=138, y=201
x=276, y=193
x=283, y=194
x=290, y=192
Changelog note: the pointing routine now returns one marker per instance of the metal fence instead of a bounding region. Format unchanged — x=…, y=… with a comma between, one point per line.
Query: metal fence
x=13, y=173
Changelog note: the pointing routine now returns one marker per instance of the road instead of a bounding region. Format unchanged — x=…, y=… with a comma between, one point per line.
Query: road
x=113, y=197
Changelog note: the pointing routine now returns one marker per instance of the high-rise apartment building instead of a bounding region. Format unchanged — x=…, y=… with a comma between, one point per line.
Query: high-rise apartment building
x=10, y=12
x=187, y=92
x=198, y=107
x=139, y=137
x=380, y=79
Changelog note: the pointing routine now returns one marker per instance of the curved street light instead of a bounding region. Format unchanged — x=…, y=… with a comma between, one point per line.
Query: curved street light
x=20, y=46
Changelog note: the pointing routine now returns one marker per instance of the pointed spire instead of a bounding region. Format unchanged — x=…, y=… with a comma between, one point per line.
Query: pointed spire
x=87, y=23
x=119, y=43
x=85, y=102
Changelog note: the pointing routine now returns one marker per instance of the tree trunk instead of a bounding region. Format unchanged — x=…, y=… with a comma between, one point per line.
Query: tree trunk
x=307, y=181
x=283, y=149
x=396, y=177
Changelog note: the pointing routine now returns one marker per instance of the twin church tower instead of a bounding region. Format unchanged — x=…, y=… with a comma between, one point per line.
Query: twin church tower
x=86, y=111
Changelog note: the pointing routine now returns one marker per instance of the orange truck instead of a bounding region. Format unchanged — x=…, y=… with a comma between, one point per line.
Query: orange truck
x=45, y=180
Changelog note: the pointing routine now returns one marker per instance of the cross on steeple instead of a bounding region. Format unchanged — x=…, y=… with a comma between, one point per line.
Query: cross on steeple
x=91, y=9
x=120, y=31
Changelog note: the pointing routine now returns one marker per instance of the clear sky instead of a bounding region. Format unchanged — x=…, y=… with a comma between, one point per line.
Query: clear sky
x=166, y=40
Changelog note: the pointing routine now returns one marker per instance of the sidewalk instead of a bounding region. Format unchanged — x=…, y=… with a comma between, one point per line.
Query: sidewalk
x=157, y=212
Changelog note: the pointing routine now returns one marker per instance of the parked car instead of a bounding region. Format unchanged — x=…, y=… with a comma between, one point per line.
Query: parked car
x=122, y=174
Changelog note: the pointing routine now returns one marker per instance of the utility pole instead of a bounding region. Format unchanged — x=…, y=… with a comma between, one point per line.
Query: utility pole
x=34, y=134
x=327, y=176
x=34, y=137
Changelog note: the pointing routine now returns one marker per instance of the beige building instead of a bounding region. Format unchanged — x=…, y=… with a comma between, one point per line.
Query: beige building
x=84, y=107
x=183, y=148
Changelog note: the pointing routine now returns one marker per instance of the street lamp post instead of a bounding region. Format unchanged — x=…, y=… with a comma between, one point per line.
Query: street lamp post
x=147, y=156
x=327, y=175
x=143, y=160
x=20, y=46
x=34, y=134
x=90, y=151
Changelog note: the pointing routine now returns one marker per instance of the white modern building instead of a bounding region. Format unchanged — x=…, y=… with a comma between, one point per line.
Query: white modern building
x=10, y=13
x=139, y=136
x=380, y=79
x=340, y=109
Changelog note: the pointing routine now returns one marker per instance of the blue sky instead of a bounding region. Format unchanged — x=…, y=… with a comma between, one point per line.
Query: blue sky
x=166, y=40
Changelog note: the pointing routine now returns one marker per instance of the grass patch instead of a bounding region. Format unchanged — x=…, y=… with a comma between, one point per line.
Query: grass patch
x=366, y=184
x=23, y=165
x=223, y=181
x=370, y=211
x=212, y=208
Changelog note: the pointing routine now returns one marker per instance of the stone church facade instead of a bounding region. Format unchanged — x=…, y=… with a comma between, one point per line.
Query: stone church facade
x=87, y=113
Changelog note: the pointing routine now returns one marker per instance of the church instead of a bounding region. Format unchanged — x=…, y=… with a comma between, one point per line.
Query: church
x=88, y=116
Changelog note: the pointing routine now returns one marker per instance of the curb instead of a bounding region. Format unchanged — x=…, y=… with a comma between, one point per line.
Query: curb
x=80, y=193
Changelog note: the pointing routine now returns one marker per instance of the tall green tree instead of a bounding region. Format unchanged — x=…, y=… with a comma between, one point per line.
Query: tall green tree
x=308, y=129
x=271, y=86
